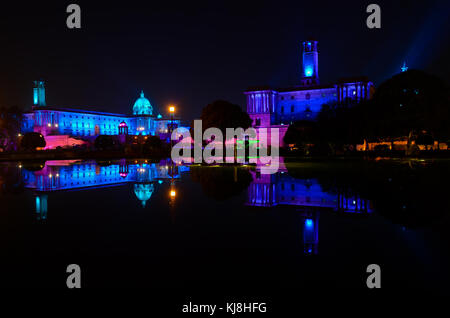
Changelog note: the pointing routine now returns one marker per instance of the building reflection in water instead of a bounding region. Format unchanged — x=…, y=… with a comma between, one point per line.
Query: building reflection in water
x=41, y=206
x=143, y=192
x=60, y=175
x=311, y=232
x=305, y=195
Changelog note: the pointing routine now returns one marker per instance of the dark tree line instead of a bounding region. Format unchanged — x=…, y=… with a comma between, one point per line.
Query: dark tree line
x=412, y=104
x=10, y=121
x=408, y=103
x=222, y=114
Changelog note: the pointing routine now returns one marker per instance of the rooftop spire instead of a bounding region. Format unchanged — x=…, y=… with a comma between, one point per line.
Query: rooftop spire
x=142, y=93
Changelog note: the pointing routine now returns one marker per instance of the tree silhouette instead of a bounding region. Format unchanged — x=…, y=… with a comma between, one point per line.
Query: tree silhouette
x=32, y=140
x=222, y=183
x=10, y=121
x=222, y=114
x=409, y=103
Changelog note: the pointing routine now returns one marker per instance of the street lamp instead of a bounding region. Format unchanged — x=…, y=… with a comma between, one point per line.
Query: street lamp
x=171, y=111
x=172, y=197
x=172, y=193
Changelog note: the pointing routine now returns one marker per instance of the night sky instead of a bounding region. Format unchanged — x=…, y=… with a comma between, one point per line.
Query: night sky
x=193, y=53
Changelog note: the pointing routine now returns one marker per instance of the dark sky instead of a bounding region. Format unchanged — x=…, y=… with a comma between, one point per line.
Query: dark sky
x=192, y=53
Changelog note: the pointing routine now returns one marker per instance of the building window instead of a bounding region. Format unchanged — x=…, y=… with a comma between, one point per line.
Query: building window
x=282, y=109
x=282, y=97
x=258, y=121
x=292, y=108
x=292, y=97
x=308, y=96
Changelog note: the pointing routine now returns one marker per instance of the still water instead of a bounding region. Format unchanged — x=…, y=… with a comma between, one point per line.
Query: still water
x=151, y=224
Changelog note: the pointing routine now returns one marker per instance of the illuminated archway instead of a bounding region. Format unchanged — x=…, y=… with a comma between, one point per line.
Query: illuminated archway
x=123, y=128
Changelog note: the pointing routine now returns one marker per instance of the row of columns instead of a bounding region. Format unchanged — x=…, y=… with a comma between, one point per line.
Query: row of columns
x=43, y=118
x=362, y=91
x=261, y=194
x=260, y=102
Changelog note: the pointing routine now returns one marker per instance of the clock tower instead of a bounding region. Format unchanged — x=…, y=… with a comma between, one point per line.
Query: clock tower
x=310, y=65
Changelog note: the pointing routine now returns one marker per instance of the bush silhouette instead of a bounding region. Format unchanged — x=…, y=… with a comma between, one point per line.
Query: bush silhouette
x=32, y=140
x=153, y=143
x=104, y=142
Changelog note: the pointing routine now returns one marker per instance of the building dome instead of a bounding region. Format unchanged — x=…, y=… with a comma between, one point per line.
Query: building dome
x=142, y=106
x=143, y=192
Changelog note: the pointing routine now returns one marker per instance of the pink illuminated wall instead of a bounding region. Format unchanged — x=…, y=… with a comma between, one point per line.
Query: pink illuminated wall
x=62, y=141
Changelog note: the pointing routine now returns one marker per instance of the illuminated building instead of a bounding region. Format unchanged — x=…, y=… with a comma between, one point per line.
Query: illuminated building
x=63, y=175
x=66, y=123
x=277, y=108
x=268, y=190
x=307, y=197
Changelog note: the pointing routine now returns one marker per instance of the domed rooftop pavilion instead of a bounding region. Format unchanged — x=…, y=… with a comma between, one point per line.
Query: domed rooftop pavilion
x=142, y=106
x=143, y=192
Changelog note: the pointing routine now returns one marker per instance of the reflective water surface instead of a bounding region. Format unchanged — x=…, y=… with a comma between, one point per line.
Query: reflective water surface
x=158, y=225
